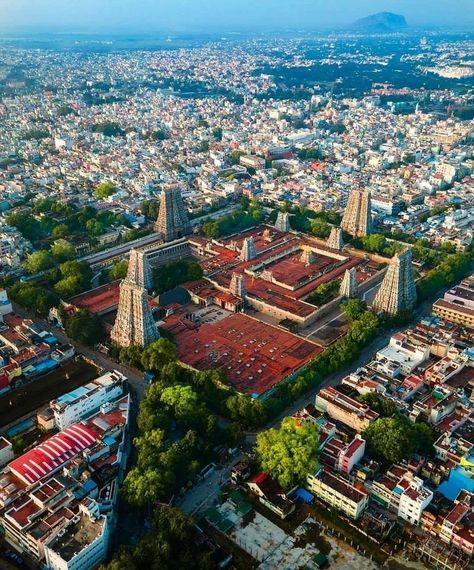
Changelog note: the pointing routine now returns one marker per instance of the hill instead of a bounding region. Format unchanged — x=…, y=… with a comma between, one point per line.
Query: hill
x=383, y=22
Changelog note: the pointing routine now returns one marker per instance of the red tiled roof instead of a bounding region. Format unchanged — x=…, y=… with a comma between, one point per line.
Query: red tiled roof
x=254, y=355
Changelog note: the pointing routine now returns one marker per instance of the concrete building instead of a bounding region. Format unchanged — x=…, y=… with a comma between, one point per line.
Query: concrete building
x=340, y=407
x=57, y=500
x=80, y=403
x=454, y=313
x=397, y=292
x=357, y=219
x=5, y=303
x=414, y=501
x=6, y=451
x=172, y=222
x=457, y=306
x=339, y=493
x=82, y=544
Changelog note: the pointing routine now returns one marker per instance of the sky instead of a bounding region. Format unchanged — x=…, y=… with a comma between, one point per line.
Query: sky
x=182, y=15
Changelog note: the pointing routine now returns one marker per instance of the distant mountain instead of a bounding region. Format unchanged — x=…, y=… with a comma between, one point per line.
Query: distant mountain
x=383, y=22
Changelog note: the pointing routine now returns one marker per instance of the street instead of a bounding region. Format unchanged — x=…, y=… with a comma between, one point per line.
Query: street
x=135, y=378
x=202, y=495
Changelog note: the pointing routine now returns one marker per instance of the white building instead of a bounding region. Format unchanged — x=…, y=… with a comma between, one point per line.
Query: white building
x=403, y=353
x=6, y=451
x=339, y=493
x=5, y=303
x=414, y=501
x=81, y=545
x=80, y=403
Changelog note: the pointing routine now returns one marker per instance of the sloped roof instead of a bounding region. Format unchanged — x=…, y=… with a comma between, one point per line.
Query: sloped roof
x=39, y=462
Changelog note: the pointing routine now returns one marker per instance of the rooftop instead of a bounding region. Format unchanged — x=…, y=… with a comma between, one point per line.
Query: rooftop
x=254, y=355
x=77, y=536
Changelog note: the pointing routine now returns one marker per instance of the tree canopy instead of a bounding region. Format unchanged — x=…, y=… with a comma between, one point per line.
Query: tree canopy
x=170, y=545
x=105, y=189
x=170, y=275
x=383, y=406
x=38, y=261
x=34, y=297
x=84, y=328
x=290, y=453
x=158, y=354
x=393, y=439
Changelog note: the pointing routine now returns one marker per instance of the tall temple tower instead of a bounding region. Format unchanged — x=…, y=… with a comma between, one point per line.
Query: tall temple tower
x=335, y=240
x=357, y=219
x=134, y=324
x=248, y=251
x=307, y=256
x=139, y=270
x=282, y=223
x=397, y=292
x=237, y=285
x=172, y=222
x=349, y=287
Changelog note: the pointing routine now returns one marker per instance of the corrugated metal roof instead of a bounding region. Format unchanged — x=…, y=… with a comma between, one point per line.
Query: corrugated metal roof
x=52, y=453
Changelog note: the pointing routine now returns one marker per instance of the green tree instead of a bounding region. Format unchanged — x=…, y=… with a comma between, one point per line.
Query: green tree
x=203, y=146
x=95, y=228
x=33, y=297
x=353, y=308
x=324, y=293
x=451, y=270
x=211, y=229
x=172, y=544
x=320, y=228
x=19, y=444
x=118, y=271
x=75, y=277
x=38, y=261
x=63, y=251
x=105, y=189
x=217, y=133
x=393, y=439
x=158, y=354
x=108, y=129
x=150, y=208
x=26, y=224
x=159, y=135
x=169, y=276
x=68, y=286
x=383, y=406
x=131, y=356
x=84, y=328
x=290, y=453
x=245, y=410
x=189, y=411
x=60, y=231
x=35, y=134
x=235, y=156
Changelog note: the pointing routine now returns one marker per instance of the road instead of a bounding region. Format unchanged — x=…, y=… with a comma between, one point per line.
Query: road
x=203, y=495
x=135, y=378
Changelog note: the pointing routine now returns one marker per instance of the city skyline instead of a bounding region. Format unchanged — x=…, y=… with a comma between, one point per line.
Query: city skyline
x=236, y=269
x=211, y=15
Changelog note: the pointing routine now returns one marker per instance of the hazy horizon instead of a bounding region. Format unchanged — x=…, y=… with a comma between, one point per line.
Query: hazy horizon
x=214, y=15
